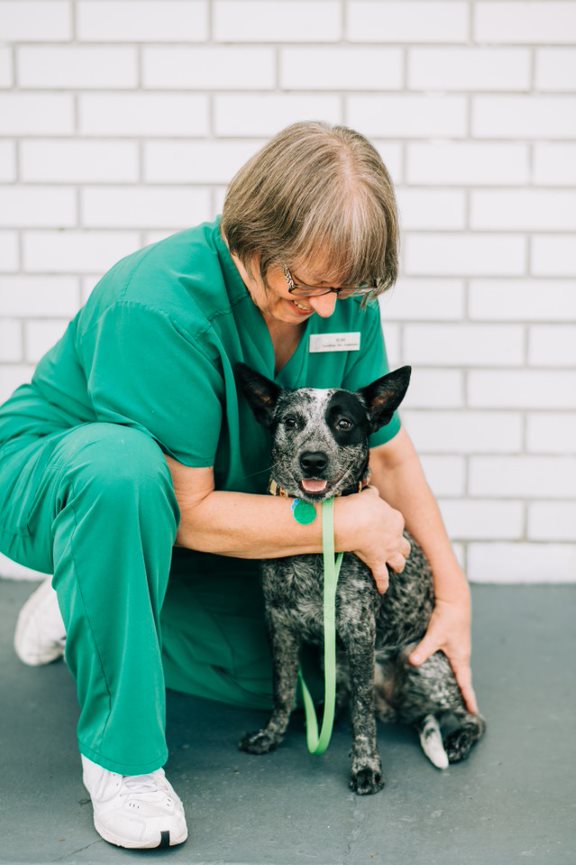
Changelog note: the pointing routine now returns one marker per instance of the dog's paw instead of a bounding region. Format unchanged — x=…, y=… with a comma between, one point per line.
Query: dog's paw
x=366, y=781
x=459, y=743
x=260, y=742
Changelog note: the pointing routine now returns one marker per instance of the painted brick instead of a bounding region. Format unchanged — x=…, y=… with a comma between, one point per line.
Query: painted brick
x=196, y=161
x=38, y=295
x=461, y=254
x=144, y=21
x=281, y=21
x=73, y=67
x=11, y=343
x=456, y=432
x=31, y=114
x=41, y=336
x=555, y=164
x=526, y=209
x=435, y=389
x=209, y=68
x=469, y=69
x=11, y=377
x=556, y=69
x=76, y=251
x=525, y=22
x=467, y=163
x=268, y=114
x=407, y=22
x=37, y=206
x=8, y=251
x=407, y=116
x=7, y=160
x=446, y=475
x=522, y=389
x=24, y=21
x=554, y=256
x=345, y=68
x=552, y=521
x=143, y=114
x=12, y=570
x=552, y=345
x=521, y=563
x=526, y=476
x=78, y=161
x=549, y=432
x=144, y=207
x=392, y=157
x=522, y=300
x=524, y=116
x=393, y=345
x=435, y=209
x=427, y=300
x=486, y=520
x=464, y=344
x=5, y=67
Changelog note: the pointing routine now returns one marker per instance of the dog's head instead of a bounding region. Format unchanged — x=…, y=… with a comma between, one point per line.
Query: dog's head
x=320, y=437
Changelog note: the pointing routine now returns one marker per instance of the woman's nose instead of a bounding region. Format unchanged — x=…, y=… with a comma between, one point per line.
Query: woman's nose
x=324, y=305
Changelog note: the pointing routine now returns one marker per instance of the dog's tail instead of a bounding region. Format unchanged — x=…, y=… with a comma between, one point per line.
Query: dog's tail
x=431, y=741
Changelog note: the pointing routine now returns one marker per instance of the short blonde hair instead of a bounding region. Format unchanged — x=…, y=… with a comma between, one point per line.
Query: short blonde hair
x=316, y=192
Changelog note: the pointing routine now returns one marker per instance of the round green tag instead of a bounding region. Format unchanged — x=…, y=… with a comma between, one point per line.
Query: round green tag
x=304, y=512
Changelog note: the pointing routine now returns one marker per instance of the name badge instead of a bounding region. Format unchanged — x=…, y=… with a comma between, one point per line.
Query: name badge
x=335, y=342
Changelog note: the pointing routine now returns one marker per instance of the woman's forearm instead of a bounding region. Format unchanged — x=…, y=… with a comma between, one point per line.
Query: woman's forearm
x=398, y=475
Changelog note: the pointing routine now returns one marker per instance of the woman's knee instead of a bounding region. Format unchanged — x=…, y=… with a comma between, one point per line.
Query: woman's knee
x=116, y=460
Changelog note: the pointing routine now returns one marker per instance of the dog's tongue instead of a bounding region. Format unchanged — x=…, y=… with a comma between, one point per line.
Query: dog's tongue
x=311, y=486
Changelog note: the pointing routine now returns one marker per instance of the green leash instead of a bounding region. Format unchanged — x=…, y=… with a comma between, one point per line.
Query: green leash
x=318, y=744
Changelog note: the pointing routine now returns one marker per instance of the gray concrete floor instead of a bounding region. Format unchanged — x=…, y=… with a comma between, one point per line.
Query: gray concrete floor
x=512, y=802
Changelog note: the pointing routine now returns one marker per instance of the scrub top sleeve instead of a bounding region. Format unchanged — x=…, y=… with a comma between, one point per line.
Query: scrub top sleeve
x=143, y=372
x=370, y=363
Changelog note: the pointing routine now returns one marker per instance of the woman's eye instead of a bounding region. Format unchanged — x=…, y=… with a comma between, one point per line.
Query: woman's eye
x=344, y=424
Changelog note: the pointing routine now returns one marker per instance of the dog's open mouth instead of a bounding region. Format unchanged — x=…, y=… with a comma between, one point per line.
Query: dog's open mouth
x=312, y=486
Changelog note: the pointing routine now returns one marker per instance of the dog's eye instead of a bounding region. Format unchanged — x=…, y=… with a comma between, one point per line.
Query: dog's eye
x=344, y=424
x=290, y=422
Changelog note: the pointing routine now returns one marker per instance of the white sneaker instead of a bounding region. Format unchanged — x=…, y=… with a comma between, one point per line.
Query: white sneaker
x=40, y=635
x=136, y=811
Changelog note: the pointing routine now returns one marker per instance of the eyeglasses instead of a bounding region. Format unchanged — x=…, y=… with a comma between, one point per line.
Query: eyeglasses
x=345, y=291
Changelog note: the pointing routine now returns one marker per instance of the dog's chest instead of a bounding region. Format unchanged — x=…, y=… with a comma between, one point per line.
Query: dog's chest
x=294, y=594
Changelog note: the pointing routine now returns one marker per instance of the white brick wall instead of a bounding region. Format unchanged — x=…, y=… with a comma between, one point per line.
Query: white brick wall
x=123, y=121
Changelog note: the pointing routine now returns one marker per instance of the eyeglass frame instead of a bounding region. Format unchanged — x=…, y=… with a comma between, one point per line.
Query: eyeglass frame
x=320, y=291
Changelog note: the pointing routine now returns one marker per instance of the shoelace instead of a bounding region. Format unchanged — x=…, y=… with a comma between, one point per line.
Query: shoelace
x=141, y=784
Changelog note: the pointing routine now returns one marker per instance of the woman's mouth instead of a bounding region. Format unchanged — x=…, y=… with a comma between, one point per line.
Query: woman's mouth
x=300, y=308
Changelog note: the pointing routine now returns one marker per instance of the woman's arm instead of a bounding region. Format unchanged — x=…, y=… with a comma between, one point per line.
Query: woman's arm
x=397, y=473
x=261, y=527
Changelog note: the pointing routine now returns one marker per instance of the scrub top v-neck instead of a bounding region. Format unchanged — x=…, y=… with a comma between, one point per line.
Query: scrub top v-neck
x=155, y=346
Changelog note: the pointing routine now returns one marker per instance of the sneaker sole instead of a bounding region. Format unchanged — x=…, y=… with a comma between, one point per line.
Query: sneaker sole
x=34, y=602
x=167, y=839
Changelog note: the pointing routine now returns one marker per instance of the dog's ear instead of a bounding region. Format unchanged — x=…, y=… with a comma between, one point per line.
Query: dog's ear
x=261, y=393
x=384, y=395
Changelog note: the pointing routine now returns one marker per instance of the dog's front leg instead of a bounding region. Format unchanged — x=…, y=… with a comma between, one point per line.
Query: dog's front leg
x=285, y=646
x=366, y=765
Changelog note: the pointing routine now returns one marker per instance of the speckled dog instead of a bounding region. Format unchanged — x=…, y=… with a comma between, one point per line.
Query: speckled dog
x=320, y=450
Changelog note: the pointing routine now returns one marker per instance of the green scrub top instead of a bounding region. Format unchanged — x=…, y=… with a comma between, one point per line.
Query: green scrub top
x=155, y=346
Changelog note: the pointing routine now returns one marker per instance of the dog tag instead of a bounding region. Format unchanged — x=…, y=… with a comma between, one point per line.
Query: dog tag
x=335, y=341
x=304, y=512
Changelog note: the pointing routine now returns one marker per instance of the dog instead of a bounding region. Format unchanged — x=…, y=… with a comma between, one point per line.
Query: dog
x=320, y=450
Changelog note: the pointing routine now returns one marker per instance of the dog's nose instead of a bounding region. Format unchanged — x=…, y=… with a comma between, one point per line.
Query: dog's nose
x=313, y=462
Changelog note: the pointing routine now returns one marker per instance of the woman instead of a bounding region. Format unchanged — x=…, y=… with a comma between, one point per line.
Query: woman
x=131, y=440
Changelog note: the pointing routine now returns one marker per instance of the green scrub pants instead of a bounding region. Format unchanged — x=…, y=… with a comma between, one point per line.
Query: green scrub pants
x=94, y=506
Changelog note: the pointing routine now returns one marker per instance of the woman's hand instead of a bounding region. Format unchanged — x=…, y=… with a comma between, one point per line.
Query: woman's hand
x=449, y=631
x=378, y=538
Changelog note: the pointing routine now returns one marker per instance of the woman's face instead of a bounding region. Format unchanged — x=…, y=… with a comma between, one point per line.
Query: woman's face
x=277, y=304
